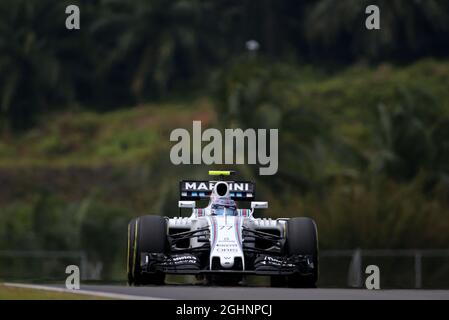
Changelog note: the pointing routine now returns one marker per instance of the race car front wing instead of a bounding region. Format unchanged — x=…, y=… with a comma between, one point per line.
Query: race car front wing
x=264, y=264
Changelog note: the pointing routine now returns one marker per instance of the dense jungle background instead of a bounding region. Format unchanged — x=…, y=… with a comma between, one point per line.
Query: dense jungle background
x=85, y=119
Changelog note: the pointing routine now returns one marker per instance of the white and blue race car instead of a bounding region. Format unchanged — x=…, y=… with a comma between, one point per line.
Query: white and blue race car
x=222, y=243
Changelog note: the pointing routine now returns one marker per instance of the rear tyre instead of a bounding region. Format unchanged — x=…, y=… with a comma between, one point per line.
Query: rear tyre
x=302, y=239
x=146, y=234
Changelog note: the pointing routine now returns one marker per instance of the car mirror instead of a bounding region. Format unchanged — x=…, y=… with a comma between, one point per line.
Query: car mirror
x=259, y=205
x=187, y=204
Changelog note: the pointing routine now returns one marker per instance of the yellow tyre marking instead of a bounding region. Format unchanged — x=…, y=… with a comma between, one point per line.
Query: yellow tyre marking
x=135, y=248
x=128, y=256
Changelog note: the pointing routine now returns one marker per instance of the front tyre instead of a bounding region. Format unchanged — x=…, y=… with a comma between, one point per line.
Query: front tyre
x=146, y=234
x=302, y=239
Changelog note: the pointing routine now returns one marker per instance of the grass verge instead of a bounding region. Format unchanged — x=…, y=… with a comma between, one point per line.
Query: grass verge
x=14, y=293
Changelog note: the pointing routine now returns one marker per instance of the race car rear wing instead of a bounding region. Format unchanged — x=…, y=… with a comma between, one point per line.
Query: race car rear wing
x=201, y=190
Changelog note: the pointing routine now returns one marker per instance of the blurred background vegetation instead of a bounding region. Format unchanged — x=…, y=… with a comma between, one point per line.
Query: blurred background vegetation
x=85, y=116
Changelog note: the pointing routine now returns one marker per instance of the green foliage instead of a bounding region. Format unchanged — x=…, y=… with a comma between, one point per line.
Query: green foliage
x=378, y=214
x=90, y=139
x=49, y=223
x=74, y=182
x=364, y=151
x=36, y=67
x=129, y=52
x=407, y=28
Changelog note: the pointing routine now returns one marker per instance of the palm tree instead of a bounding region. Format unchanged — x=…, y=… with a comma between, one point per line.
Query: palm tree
x=405, y=26
x=31, y=71
x=155, y=43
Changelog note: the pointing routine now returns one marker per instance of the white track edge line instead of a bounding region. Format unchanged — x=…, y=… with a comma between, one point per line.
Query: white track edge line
x=83, y=292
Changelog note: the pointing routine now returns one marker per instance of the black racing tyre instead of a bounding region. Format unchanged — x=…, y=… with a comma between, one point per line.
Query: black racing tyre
x=146, y=234
x=302, y=239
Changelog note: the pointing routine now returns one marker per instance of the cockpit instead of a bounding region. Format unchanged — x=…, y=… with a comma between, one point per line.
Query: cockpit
x=223, y=210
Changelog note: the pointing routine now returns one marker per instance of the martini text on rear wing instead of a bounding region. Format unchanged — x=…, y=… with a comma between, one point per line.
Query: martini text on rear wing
x=201, y=190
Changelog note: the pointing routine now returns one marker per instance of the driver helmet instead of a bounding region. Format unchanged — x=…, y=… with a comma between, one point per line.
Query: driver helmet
x=220, y=207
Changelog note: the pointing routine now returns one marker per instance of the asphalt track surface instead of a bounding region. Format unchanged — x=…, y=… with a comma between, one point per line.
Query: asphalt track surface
x=199, y=292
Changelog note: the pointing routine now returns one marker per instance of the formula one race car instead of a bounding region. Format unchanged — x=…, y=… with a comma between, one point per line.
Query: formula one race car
x=220, y=243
